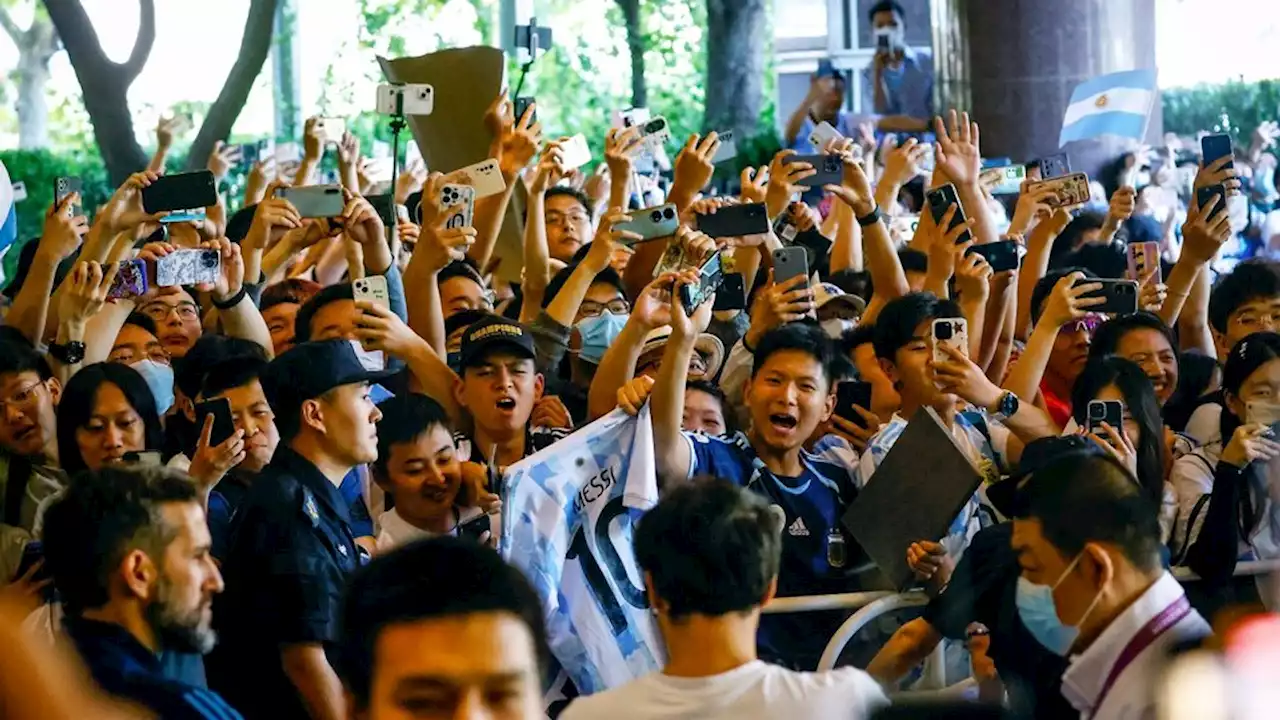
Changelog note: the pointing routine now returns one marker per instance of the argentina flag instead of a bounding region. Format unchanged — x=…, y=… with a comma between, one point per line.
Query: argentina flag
x=1114, y=104
x=8, y=210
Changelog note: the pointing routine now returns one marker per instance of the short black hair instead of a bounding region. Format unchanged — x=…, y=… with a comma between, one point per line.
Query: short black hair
x=141, y=320
x=17, y=357
x=896, y=325
x=76, y=407
x=1109, y=334
x=101, y=517
x=806, y=337
x=1251, y=280
x=607, y=276
x=292, y=290
x=232, y=373
x=576, y=194
x=302, y=321
x=1087, y=497
x=1044, y=286
x=462, y=319
x=1106, y=260
x=440, y=577
x=913, y=260
x=886, y=6
x=710, y=548
x=405, y=417
x=1065, y=243
x=462, y=269
x=189, y=370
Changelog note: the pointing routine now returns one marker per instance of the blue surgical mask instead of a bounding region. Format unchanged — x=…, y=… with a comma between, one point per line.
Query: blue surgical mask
x=159, y=379
x=598, y=333
x=1039, y=613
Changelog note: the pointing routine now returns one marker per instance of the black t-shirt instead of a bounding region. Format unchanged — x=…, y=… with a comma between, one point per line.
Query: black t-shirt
x=983, y=589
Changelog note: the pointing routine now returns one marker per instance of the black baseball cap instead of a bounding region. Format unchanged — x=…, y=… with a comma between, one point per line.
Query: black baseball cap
x=1036, y=456
x=311, y=369
x=494, y=332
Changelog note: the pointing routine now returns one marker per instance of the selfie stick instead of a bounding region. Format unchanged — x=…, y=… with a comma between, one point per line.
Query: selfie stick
x=533, y=55
x=398, y=124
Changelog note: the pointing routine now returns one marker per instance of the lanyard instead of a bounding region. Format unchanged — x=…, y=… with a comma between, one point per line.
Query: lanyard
x=1157, y=626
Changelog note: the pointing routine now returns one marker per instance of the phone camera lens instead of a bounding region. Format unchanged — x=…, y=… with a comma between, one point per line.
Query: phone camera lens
x=669, y=213
x=656, y=216
x=209, y=259
x=943, y=331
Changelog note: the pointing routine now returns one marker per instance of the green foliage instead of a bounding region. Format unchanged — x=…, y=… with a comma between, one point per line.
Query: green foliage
x=38, y=169
x=1234, y=107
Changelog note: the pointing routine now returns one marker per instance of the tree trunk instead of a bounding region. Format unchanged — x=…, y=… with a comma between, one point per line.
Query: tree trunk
x=735, y=66
x=104, y=84
x=636, y=46
x=255, y=43
x=36, y=47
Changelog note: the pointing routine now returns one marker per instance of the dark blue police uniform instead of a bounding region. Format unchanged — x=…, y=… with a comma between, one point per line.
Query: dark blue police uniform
x=291, y=551
x=125, y=668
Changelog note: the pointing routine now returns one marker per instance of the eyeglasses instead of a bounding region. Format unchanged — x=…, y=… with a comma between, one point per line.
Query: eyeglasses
x=159, y=311
x=591, y=308
x=555, y=218
x=1259, y=319
x=23, y=399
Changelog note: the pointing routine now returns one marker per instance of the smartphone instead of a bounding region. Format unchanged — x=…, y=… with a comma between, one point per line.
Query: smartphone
x=1110, y=412
x=1121, y=295
x=485, y=176
x=1069, y=190
x=652, y=223
x=1205, y=194
x=823, y=134
x=146, y=458
x=882, y=42
x=1262, y=412
x=406, y=99
x=188, y=267
x=728, y=149
x=948, y=331
x=180, y=192
x=315, y=201
x=373, y=289
x=223, y=424
x=476, y=528
x=1052, y=166
x=830, y=169
x=1008, y=179
x=461, y=197
x=385, y=206
x=1144, y=263
x=64, y=186
x=852, y=393
x=1213, y=147
x=576, y=152
x=735, y=221
x=1001, y=256
x=251, y=153
x=656, y=131
x=33, y=553
x=789, y=262
x=817, y=245
x=332, y=129
x=732, y=294
x=130, y=280
x=939, y=200
x=709, y=277
x=521, y=105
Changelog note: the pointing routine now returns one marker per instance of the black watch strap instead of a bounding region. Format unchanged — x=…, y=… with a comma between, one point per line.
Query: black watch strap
x=69, y=353
x=870, y=218
x=232, y=301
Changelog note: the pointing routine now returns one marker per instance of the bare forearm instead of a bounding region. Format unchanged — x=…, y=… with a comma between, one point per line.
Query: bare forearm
x=908, y=647
x=1034, y=267
x=1193, y=321
x=846, y=251
x=667, y=399
x=795, y=122
x=425, y=310
x=997, y=305
x=245, y=322
x=616, y=368
x=619, y=189
x=157, y=160
x=431, y=375
x=30, y=310
x=305, y=168
x=564, y=308
x=882, y=262
x=317, y=684
x=975, y=315
x=975, y=207
x=101, y=330
x=1004, y=347
x=1181, y=280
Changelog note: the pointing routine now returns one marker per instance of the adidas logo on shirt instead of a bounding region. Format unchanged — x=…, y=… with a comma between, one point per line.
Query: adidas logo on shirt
x=798, y=528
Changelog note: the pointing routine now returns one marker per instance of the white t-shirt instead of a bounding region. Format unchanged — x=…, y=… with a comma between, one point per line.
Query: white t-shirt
x=755, y=691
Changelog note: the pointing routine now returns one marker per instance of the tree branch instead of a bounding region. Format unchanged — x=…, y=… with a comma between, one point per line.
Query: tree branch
x=255, y=44
x=10, y=27
x=77, y=33
x=146, y=39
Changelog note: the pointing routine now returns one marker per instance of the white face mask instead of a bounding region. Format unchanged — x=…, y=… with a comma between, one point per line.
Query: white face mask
x=835, y=328
x=894, y=35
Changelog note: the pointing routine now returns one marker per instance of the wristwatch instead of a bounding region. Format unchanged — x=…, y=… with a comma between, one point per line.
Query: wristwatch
x=1007, y=405
x=69, y=353
x=870, y=218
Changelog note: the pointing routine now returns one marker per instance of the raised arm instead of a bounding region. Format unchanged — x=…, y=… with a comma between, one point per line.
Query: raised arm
x=693, y=169
x=1036, y=263
x=515, y=144
x=671, y=452
x=1064, y=304
x=1203, y=234
x=312, y=151
x=958, y=154
x=60, y=238
x=236, y=310
x=650, y=310
x=537, y=255
x=620, y=149
x=887, y=276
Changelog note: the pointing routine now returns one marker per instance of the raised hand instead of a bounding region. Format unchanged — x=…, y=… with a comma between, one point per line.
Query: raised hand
x=361, y=221
x=124, y=211
x=518, y=143
x=620, y=149
x=1067, y=300
x=777, y=304
x=652, y=307
x=957, y=151
x=1117, y=445
x=683, y=325
x=962, y=377
x=410, y=180
x=62, y=231
x=1205, y=229
x=378, y=328
x=608, y=237
x=633, y=394
x=550, y=411
x=1032, y=207
x=694, y=166
x=973, y=275
x=86, y=293
x=312, y=139
x=1251, y=442
x=167, y=128
x=550, y=168
x=212, y=462
x=783, y=176
x=222, y=158
x=755, y=183
x=1123, y=202
x=854, y=189
x=271, y=220
x=904, y=163
x=231, y=279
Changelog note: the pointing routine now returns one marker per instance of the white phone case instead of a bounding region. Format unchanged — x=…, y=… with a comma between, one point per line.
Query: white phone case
x=959, y=339
x=728, y=149
x=823, y=134
x=486, y=178
x=333, y=129
x=373, y=289
x=452, y=196
x=576, y=152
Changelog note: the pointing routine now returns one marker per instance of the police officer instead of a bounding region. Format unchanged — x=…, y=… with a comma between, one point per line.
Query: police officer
x=292, y=546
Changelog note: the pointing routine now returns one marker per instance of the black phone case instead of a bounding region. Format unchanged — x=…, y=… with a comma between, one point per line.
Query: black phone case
x=223, y=425
x=816, y=243
x=1213, y=147
x=735, y=221
x=830, y=169
x=522, y=104
x=180, y=192
x=1001, y=256
x=1113, y=415
x=941, y=199
x=849, y=394
x=1121, y=296
x=1055, y=165
x=1205, y=194
x=732, y=294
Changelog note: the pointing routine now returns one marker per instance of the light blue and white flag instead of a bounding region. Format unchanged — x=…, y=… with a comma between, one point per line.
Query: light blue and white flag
x=8, y=210
x=568, y=518
x=1114, y=104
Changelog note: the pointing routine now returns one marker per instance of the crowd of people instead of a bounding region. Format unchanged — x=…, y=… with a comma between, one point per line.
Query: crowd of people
x=273, y=494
